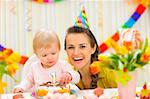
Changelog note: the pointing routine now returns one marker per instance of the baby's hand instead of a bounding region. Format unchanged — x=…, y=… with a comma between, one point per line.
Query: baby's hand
x=65, y=78
x=18, y=96
x=98, y=91
x=18, y=90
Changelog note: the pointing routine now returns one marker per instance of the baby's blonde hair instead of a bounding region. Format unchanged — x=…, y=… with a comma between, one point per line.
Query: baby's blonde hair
x=44, y=38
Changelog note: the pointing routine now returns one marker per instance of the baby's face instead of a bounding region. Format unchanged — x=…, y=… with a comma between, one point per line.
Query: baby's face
x=48, y=55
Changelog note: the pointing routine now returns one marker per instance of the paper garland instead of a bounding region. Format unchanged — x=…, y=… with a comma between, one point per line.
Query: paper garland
x=28, y=17
x=128, y=24
x=135, y=16
x=23, y=59
x=46, y=1
x=12, y=7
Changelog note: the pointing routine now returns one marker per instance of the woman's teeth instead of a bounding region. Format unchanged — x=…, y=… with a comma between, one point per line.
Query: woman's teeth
x=77, y=59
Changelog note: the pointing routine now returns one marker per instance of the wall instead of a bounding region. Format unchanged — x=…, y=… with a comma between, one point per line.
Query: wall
x=20, y=19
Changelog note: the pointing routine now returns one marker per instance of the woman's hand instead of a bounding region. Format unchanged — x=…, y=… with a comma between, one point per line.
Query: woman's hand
x=18, y=90
x=65, y=78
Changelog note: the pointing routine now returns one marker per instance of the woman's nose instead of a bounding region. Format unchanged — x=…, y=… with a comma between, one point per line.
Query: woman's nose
x=76, y=51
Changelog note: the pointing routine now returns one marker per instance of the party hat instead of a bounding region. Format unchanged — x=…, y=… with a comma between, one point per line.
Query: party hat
x=81, y=20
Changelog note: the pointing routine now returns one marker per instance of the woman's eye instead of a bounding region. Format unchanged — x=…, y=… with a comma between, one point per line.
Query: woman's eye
x=83, y=46
x=70, y=47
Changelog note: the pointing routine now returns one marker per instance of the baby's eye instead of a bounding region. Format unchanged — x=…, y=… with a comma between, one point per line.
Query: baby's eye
x=44, y=55
x=53, y=53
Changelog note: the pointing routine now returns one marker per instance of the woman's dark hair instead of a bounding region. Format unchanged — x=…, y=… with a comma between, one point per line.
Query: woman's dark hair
x=93, y=42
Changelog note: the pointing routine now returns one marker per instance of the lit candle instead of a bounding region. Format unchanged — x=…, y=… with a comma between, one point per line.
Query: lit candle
x=53, y=77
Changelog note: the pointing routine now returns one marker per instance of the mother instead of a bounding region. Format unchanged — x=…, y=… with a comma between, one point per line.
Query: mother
x=82, y=49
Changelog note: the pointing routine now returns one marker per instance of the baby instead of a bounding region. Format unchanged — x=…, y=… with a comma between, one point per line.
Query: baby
x=49, y=68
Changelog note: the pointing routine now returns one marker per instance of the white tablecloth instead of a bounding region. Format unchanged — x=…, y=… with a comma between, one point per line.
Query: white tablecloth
x=108, y=94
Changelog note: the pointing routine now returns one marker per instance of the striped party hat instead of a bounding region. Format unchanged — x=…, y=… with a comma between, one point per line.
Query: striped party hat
x=81, y=20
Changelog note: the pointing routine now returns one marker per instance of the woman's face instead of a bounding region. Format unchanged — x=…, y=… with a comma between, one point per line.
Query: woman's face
x=79, y=50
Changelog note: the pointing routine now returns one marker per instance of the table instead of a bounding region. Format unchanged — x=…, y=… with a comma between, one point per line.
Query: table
x=108, y=94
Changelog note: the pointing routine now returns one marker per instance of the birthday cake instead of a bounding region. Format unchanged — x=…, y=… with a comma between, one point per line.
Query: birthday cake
x=50, y=90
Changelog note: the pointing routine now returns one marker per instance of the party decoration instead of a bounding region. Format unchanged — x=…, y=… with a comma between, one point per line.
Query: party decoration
x=123, y=77
x=131, y=53
x=145, y=2
x=12, y=7
x=81, y=20
x=128, y=24
x=144, y=93
x=131, y=38
x=46, y=1
x=135, y=16
x=8, y=52
x=2, y=86
x=9, y=64
x=28, y=17
x=94, y=68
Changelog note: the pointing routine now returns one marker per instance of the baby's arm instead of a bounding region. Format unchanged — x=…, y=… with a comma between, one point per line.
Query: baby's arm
x=25, y=84
x=74, y=74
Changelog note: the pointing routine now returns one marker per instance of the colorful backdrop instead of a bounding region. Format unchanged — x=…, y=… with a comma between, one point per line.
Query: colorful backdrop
x=20, y=19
